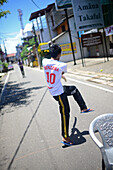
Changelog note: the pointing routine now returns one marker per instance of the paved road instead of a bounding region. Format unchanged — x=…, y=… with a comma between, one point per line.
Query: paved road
x=30, y=125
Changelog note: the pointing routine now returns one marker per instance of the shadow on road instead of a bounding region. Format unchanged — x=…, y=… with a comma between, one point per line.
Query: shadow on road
x=15, y=95
x=76, y=136
x=1, y=85
x=26, y=130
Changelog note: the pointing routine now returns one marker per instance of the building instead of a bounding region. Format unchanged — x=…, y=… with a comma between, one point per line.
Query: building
x=11, y=57
x=57, y=30
x=27, y=36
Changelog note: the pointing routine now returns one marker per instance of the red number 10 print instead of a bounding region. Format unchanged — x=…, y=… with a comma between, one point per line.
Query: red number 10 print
x=51, y=77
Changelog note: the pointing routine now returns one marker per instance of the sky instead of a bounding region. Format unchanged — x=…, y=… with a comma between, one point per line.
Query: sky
x=10, y=27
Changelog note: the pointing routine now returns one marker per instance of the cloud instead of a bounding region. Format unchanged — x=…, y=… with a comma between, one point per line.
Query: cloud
x=11, y=42
x=13, y=39
x=28, y=27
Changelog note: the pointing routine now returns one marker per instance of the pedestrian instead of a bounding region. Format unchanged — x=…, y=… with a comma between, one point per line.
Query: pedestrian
x=21, y=67
x=54, y=70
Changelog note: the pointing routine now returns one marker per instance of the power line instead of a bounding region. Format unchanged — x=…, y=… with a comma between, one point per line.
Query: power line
x=35, y=4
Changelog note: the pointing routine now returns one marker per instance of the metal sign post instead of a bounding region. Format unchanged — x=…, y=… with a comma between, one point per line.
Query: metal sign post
x=36, y=43
x=105, y=44
x=63, y=5
x=80, y=50
x=70, y=36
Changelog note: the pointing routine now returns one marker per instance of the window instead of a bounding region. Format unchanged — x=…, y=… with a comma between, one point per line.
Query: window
x=63, y=28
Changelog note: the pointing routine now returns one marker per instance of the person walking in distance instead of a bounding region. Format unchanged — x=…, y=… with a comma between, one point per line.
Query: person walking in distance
x=21, y=67
x=54, y=70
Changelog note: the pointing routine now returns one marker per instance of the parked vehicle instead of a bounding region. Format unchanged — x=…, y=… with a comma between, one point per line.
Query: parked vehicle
x=10, y=67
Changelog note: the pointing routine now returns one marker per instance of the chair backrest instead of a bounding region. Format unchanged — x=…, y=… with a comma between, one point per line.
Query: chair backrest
x=104, y=125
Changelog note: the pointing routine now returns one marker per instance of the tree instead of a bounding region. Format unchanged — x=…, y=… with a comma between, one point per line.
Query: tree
x=32, y=42
x=3, y=13
x=24, y=52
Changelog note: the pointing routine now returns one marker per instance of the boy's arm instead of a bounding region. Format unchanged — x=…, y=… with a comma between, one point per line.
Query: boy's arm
x=63, y=77
x=65, y=70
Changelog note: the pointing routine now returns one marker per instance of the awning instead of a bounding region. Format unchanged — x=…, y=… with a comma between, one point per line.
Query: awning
x=58, y=36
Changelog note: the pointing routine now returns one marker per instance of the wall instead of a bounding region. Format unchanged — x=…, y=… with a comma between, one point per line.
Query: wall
x=45, y=33
x=64, y=39
x=53, y=32
x=74, y=36
x=57, y=17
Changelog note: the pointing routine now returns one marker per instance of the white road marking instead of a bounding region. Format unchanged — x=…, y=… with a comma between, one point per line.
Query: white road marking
x=91, y=85
x=87, y=84
x=6, y=80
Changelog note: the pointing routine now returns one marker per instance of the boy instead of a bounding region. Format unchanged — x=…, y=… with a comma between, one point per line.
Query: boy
x=54, y=70
x=21, y=67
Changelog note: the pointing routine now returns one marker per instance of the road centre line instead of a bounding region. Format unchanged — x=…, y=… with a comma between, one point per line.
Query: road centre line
x=91, y=85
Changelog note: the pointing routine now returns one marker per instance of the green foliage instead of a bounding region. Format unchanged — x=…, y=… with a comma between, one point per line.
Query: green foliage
x=32, y=42
x=1, y=62
x=24, y=58
x=24, y=51
x=5, y=67
x=3, y=13
x=5, y=64
x=2, y=1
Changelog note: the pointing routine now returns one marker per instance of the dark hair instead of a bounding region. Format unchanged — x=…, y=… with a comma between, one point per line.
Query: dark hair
x=55, y=50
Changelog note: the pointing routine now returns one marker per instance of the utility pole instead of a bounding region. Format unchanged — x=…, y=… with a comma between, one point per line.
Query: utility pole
x=39, y=40
x=36, y=43
x=35, y=36
x=48, y=28
x=41, y=29
x=37, y=23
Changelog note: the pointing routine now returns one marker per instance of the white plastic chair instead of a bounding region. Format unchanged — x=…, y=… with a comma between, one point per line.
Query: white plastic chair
x=104, y=125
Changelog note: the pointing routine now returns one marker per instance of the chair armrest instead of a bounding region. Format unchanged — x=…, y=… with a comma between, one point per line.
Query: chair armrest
x=92, y=134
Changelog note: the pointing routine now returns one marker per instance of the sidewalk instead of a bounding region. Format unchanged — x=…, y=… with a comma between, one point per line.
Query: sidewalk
x=96, y=69
x=2, y=74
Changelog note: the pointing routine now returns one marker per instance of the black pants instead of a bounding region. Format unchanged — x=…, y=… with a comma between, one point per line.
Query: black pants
x=22, y=70
x=65, y=108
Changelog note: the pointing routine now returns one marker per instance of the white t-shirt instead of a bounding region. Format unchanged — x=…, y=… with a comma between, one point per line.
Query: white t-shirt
x=53, y=72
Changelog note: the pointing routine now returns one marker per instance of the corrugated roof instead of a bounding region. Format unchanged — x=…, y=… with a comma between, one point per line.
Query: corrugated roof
x=11, y=55
x=41, y=12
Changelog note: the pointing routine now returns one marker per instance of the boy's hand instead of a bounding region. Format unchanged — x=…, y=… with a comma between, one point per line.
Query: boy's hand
x=64, y=78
